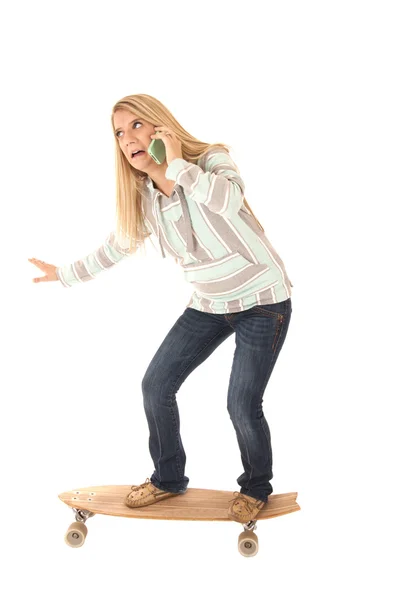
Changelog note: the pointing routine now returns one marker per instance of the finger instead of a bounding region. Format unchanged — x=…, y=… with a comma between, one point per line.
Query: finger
x=39, y=264
x=161, y=134
x=162, y=129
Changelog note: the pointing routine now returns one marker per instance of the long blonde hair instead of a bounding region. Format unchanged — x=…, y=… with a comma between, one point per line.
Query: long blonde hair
x=130, y=182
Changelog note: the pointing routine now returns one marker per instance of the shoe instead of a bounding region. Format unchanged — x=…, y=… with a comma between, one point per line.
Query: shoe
x=244, y=508
x=145, y=494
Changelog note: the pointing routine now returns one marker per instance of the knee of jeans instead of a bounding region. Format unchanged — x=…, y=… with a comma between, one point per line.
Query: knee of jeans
x=148, y=385
x=234, y=414
x=154, y=388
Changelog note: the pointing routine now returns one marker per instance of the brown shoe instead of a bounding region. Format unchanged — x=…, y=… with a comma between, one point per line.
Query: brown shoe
x=145, y=494
x=244, y=508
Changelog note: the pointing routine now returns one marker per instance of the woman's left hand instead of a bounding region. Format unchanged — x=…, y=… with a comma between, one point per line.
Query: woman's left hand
x=171, y=142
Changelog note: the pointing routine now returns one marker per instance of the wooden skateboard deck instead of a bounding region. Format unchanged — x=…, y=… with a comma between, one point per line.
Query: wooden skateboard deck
x=196, y=504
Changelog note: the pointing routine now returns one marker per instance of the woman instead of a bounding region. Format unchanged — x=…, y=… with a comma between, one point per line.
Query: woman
x=193, y=203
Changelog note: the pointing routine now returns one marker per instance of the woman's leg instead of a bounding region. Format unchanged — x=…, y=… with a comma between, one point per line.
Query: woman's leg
x=193, y=338
x=259, y=336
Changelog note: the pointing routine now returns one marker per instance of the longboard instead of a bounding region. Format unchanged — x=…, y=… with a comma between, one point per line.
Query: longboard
x=196, y=504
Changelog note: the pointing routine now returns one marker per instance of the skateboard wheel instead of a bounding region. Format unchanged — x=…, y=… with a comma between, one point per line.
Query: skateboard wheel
x=76, y=534
x=248, y=543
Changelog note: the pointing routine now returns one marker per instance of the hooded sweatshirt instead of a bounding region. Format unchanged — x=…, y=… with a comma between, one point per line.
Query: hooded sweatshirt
x=221, y=249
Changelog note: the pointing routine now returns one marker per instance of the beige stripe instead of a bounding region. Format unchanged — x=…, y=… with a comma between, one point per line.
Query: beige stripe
x=213, y=222
x=202, y=245
x=218, y=288
x=171, y=205
x=218, y=198
x=276, y=260
x=214, y=263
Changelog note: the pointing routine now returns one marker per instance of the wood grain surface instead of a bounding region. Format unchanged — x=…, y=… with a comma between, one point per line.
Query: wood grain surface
x=195, y=505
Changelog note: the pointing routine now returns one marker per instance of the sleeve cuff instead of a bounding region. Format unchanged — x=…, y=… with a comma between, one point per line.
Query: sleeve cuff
x=176, y=165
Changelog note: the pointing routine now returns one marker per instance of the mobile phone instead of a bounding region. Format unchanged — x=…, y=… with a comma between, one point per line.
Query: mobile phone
x=157, y=150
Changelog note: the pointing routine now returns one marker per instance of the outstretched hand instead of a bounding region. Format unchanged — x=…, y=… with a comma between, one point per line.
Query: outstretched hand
x=49, y=270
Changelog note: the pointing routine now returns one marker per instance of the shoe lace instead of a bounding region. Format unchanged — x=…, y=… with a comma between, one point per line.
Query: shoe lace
x=240, y=499
x=135, y=488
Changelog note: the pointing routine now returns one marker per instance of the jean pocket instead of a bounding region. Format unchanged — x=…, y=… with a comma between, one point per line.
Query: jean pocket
x=279, y=316
x=272, y=310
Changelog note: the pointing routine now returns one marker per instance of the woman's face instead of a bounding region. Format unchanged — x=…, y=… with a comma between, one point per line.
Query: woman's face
x=133, y=134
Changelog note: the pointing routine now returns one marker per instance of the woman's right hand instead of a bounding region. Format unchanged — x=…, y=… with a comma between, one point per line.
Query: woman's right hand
x=49, y=270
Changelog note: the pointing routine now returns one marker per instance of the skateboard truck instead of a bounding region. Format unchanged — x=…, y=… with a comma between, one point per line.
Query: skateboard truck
x=250, y=526
x=82, y=515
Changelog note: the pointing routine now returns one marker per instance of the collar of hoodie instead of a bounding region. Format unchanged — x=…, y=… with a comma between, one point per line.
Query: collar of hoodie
x=178, y=191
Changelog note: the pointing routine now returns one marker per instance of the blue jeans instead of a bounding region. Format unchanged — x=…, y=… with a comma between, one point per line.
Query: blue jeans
x=260, y=332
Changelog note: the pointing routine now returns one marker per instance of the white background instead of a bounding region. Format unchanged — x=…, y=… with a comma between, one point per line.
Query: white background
x=307, y=94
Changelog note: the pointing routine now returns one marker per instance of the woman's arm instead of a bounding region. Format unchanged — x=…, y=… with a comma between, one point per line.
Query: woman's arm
x=219, y=186
x=103, y=258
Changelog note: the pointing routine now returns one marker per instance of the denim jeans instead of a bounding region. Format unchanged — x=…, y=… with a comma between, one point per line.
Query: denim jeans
x=260, y=332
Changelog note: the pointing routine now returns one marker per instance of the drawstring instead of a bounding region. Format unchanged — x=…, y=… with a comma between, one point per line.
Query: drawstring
x=187, y=220
x=157, y=207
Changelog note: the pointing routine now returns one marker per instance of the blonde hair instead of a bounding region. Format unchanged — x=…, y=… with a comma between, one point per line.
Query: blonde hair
x=130, y=181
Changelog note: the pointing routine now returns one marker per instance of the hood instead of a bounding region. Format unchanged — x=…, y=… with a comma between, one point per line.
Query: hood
x=189, y=237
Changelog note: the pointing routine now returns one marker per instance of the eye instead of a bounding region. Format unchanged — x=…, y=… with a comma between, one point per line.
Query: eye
x=133, y=124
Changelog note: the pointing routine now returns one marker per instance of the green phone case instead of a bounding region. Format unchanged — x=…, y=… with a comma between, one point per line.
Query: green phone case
x=157, y=150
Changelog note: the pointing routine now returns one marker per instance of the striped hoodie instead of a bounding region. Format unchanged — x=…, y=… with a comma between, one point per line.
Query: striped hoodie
x=222, y=251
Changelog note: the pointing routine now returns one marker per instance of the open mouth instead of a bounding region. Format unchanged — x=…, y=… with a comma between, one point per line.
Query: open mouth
x=137, y=153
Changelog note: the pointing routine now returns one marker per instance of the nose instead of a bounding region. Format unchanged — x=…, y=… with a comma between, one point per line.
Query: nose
x=129, y=139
